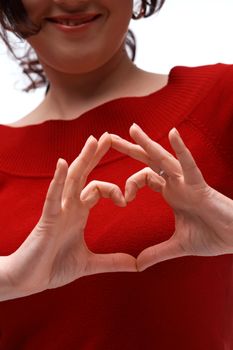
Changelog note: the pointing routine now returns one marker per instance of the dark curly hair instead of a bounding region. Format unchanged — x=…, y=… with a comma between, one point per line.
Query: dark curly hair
x=14, y=18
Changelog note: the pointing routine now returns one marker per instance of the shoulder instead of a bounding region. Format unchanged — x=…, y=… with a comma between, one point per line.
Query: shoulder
x=220, y=73
x=216, y=69
x=213, y=115
x=213, y=82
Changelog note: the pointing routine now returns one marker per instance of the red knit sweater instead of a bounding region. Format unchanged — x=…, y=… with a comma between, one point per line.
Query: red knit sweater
x=181, y=304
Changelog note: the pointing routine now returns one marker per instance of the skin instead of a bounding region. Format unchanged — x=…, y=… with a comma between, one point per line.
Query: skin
x=84, y=73
x=203, y=216
x=55, y=253
x=86, y=69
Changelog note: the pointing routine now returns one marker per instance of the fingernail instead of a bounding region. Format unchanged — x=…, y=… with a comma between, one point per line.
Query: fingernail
x=59, y=163
x=120, y=199
x=116, y=136
x=91, y=138
x=83, y=197
x=106, y=133
x=126, y=193
x=120, y=196
x=134, y=124
x=176, y=131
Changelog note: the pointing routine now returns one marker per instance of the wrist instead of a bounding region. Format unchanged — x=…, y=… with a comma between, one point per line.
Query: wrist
x=217, y=210
x=8, y=288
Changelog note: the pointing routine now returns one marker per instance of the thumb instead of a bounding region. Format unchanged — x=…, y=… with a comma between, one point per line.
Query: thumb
x=167, y=250
x=112, y=262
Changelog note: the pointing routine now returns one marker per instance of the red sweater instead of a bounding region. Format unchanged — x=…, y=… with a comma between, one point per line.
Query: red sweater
x=181, y=304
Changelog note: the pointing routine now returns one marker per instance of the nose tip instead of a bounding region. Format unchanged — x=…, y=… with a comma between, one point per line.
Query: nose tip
x=73, y=3
x=72, y=6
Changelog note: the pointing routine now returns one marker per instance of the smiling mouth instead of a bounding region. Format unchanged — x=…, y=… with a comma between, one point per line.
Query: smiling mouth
x=72, y=22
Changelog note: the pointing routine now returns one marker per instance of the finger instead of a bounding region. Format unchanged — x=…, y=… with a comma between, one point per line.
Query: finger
x=161, y=158
x=130, y=149
x=144, y=177
x=114, y=262
x=77, y=171
x=192, y=174
x=53, y=201
x=167, y=250
x=95, y=190
x=104, y=144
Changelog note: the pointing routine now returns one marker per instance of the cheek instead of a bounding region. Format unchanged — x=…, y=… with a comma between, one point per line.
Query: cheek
x=119, y=23
x=36, y=9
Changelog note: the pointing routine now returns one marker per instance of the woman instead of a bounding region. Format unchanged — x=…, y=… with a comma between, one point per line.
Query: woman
x=47, y=242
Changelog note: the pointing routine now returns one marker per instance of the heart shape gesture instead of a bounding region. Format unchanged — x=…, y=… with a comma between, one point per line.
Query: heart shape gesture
x=55, y=252
x=203, y=216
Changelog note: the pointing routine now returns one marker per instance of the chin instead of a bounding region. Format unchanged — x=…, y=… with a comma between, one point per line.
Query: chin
x=65, y=63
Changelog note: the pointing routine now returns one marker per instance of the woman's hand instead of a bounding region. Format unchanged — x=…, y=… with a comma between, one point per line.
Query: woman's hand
x=203, y=216
x=55, y=253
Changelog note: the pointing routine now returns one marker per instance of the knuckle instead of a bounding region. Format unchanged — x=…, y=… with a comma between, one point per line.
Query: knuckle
x=149, y=146
x=190, y=167
x=50, y=199
x=133, y=182
x=113, y=190
x=165, y=159
x=82, y=159
x=149, y=180
x=92, y=184
x=57, y=181
x=74, y=179
x=131, y=179
x=68, y=203
x=180, y=152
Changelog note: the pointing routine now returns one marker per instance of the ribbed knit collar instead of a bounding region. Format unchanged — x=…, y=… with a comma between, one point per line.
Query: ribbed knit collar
x=33, y=150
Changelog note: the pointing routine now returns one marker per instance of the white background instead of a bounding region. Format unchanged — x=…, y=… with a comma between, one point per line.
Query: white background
x=185, y=32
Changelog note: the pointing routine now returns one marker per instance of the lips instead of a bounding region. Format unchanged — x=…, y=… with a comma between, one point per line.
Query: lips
x=73, y=20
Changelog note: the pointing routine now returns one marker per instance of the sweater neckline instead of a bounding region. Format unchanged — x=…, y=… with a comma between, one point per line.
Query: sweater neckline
x=33, y=150
x=95, y=109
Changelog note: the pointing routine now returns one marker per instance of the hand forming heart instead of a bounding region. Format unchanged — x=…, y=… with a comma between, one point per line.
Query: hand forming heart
x=55, y=253
x=203, y=216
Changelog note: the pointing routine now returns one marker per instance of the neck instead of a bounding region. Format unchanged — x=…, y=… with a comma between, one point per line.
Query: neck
x=68, y=93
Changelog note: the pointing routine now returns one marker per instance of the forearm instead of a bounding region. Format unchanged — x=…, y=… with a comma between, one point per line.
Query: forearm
x=7, y=290
x=218, y=212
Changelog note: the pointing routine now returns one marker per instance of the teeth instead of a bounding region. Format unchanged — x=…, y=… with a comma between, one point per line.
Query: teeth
x=71, y=22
